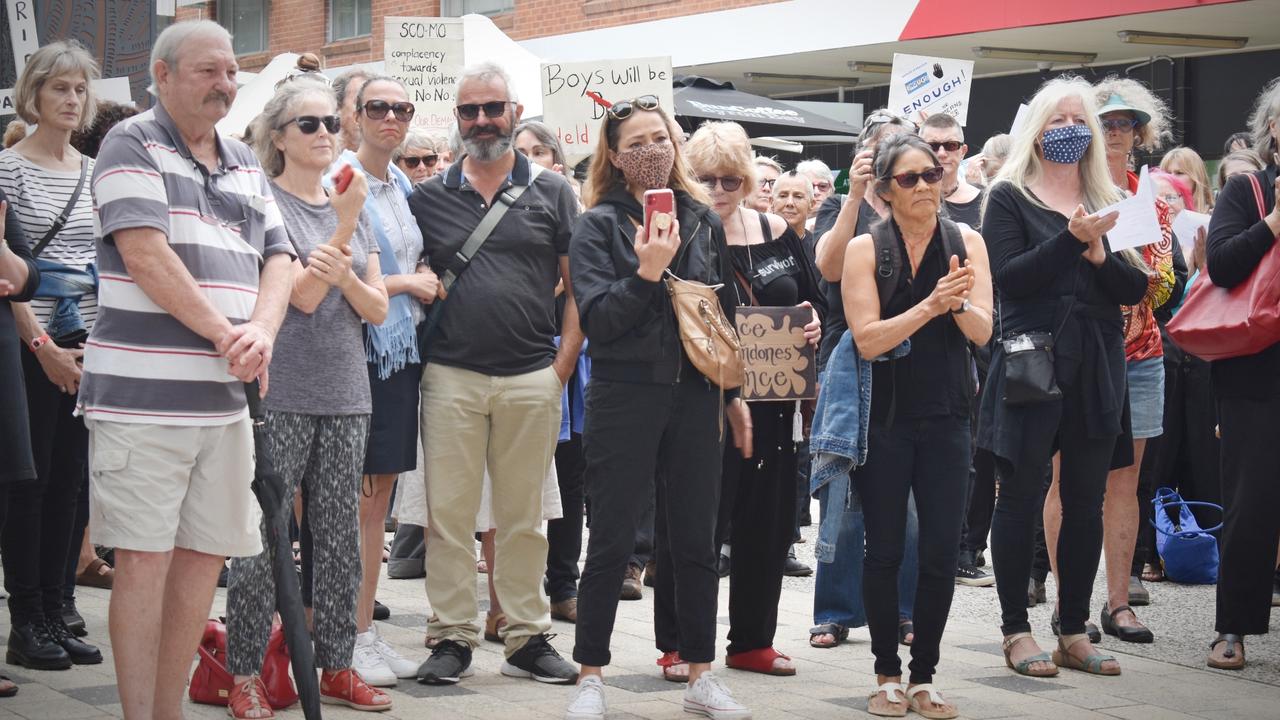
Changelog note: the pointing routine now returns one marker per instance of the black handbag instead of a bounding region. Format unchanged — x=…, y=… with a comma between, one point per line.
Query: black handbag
x=1029, y=370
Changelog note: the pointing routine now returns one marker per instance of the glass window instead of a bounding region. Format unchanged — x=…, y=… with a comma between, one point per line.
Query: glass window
x=246, y=20
x=454, y=8
x=350, y=18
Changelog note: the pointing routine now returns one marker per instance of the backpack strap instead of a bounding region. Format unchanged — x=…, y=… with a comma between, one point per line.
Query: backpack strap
x=952, y=241
x=888, y=260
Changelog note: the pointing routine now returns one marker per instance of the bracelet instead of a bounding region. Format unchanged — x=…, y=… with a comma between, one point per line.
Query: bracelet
x=39, y=342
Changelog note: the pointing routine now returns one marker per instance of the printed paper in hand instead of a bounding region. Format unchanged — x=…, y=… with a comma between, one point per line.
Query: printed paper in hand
x=1185, y=226
x=1138, y=224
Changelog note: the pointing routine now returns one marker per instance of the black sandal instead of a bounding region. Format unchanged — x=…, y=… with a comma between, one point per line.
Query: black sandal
x=1128, y=633
x=905, y=628
x=836, y=630
x=1095, y=635
x=1230, y=660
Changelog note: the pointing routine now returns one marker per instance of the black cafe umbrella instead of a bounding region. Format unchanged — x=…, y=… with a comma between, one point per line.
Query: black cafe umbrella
x=270, y=490
x=703, y=98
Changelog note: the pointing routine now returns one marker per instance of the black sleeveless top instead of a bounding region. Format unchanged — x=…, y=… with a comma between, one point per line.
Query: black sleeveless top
x=933, y=379
x=776, y=269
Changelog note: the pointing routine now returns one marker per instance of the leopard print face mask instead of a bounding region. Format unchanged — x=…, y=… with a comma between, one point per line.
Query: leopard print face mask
x=648, y=166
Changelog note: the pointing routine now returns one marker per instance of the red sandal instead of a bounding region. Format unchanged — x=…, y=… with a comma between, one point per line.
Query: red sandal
x=346, y=687
x=247, y=701
x=670, y=660
x=759, y=661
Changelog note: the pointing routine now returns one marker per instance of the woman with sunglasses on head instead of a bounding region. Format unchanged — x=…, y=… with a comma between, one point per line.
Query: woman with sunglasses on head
x=1055, y=274
x=417, y=157
x=318, y=408
x=758, y=495
x=937, y=296
x=654, y=421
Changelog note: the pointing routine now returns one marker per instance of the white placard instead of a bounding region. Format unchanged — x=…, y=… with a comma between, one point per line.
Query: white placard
x=576, y=95
x=921, y=86
x=22, y=31
x=426, y=54
x=168, y=8
x=115, y=89
x=1019, y=119
x=1185, y=226
x=1138, y=224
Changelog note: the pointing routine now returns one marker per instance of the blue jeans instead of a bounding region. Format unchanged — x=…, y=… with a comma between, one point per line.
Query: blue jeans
x=837, y=595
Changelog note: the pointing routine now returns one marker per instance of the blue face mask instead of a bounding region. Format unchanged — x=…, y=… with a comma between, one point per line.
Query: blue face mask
x=1067, y=144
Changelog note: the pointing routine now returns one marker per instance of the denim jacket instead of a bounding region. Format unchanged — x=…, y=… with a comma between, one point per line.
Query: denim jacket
x=838, y=441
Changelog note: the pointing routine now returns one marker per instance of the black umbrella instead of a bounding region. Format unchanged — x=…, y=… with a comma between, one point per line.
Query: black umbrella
x=269, y=487
x=699, y=97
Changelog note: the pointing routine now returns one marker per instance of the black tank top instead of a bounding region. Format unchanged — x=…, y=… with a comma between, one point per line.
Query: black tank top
x=933, y=379
x=771, y=267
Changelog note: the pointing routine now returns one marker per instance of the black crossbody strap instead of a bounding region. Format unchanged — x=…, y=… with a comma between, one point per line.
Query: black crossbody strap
x=61, y=221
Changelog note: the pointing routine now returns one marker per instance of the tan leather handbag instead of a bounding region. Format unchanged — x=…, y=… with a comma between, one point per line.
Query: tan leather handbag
x=709, y=340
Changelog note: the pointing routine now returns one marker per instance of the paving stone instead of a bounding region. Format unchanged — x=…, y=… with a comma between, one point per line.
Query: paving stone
x=417, y=621
x=1018, y=683
x=640, y=683
x=419, y=690
x=97, y=695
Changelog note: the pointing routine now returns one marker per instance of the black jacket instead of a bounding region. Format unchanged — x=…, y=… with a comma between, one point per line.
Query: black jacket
x=628, y=321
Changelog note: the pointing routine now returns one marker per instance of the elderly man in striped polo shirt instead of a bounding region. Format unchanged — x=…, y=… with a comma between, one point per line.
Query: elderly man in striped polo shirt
x=195, y=279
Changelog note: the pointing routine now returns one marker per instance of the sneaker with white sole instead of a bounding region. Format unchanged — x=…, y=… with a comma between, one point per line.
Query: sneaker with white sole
x=709, y=697
x=587, y=702
x=403, y=669
x=539, y=661
x=972, y=576
x=366, y=660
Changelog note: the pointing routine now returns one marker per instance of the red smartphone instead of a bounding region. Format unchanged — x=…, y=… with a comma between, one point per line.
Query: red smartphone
x=342, y=178
x=659, y=201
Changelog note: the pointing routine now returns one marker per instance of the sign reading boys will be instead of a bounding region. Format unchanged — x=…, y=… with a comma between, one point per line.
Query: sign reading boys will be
x=922, y=86
x=576, y=95
x=426, y=55
x=779, y=363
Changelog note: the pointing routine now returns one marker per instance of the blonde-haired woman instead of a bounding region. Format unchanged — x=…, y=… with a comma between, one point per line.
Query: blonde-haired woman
x=1055, y=274
x=1185, y=163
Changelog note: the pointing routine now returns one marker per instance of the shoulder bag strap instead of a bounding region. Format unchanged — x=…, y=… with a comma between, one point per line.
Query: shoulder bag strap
x=61, y=220
x=1257, y=195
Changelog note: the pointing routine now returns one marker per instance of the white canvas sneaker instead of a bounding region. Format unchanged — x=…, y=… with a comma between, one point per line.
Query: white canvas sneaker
x=587, y=702
x=369, y=663
x=709, y=697
x=402, y=668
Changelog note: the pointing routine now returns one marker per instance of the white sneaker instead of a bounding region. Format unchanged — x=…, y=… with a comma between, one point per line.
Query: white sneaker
x=401, y=667
x=369, y=663
x=709, y=697
x=587, y=702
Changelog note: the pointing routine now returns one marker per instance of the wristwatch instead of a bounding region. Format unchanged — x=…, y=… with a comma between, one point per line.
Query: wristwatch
x=39, y=342
x=964, y=308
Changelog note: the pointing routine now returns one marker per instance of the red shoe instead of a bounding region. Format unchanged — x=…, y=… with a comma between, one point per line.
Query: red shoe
x=761, y=660
x=669, y=662
x=346, y=687
x=248, y=701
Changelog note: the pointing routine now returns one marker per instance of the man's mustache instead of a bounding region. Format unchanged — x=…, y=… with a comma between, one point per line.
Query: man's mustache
x=224, y=98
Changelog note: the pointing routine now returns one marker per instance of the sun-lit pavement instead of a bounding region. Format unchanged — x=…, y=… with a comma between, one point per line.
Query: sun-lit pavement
x=1165, y=680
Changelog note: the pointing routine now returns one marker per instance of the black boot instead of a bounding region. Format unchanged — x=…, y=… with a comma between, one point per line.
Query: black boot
x=81, y=652
x=71, y=616
x=32, y=646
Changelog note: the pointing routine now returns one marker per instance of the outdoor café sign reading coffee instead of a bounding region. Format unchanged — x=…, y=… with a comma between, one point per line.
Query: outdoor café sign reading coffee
x=779, y=363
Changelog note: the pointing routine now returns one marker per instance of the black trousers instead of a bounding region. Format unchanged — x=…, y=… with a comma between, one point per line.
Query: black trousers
x=1251, y=530
x=564, y=535
x=37, y=531
x=1040, y=565
x=1085, y=463
x=929, y=456
x=636, y=436
x=646, y=537
x=981, y=504
x=764, y=523
x=78, y=527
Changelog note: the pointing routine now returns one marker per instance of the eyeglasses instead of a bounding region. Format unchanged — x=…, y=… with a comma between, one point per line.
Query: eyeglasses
x=623, y=109
x=949, y=146
x=378, y=109
x=1171, y=198
x=1119, y=124
x=729, y=184
x=768, y=182
x=492, y=110
x=822, y=187
x=309, y=124
x=412, y=161
x=909, y=180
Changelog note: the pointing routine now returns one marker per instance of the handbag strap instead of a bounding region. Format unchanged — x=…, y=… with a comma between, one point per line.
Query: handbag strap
x=60, y=221
x=1257, y=195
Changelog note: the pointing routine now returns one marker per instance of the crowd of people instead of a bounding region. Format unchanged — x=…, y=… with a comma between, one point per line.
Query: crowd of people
x=379, y=289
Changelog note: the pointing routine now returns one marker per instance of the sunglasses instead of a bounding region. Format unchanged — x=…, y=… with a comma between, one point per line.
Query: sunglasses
x=881, y=117
x=412, y=161
x=309, y=124
x=729, y=184
x=492, y=110
x=623, y=110
x=378, y=109
x=1119, y=124
x=909, y=180
x=949, y=146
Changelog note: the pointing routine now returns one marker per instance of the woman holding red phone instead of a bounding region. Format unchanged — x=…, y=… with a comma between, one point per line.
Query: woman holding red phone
x=651, y=417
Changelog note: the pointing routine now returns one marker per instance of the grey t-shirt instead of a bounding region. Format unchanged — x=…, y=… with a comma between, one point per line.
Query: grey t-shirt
x=318, y=366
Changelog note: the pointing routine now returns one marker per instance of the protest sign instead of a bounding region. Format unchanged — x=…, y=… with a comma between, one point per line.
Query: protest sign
x=779, y=363
x=426, y=54
x=1138, y=224
x=575, y=96
x=921, y=86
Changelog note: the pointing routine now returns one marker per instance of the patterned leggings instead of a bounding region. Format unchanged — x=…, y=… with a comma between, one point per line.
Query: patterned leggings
x=325, y=453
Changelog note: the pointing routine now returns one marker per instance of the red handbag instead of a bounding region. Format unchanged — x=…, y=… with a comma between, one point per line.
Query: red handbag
x=1216, y=323
x=211, y=683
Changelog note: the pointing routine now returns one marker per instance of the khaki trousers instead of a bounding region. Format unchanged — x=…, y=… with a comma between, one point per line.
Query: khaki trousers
x=509, y=424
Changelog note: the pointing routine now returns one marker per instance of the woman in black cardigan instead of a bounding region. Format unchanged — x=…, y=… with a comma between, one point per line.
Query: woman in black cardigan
x=1248, y=412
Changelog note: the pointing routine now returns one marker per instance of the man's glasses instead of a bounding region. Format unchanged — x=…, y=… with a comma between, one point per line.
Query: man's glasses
x=767, y=183
x=412, y=161
x=909, y=180
x=492, y=110
x=949, y=145
x=1119, y=124
x=822, y=186
x=729, y=184
x=309, y=124
x=623, y=109
x=378, y=109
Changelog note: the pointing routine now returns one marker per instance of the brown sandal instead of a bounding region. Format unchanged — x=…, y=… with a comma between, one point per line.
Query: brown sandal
x=96, y=574
x=492, y=624
x=1231, y=659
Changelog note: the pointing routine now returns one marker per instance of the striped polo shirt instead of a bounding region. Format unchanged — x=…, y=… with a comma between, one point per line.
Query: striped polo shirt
x=141, y=364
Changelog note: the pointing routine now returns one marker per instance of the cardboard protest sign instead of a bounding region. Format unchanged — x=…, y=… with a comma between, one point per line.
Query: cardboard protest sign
x=780, y=364
x=921, y=86
x=575, y=96
x=426, y=54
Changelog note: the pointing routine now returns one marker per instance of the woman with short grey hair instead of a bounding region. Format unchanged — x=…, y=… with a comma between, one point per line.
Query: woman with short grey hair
x=418, y=156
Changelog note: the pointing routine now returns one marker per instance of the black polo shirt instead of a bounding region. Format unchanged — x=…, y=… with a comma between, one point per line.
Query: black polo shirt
x=500, y=316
